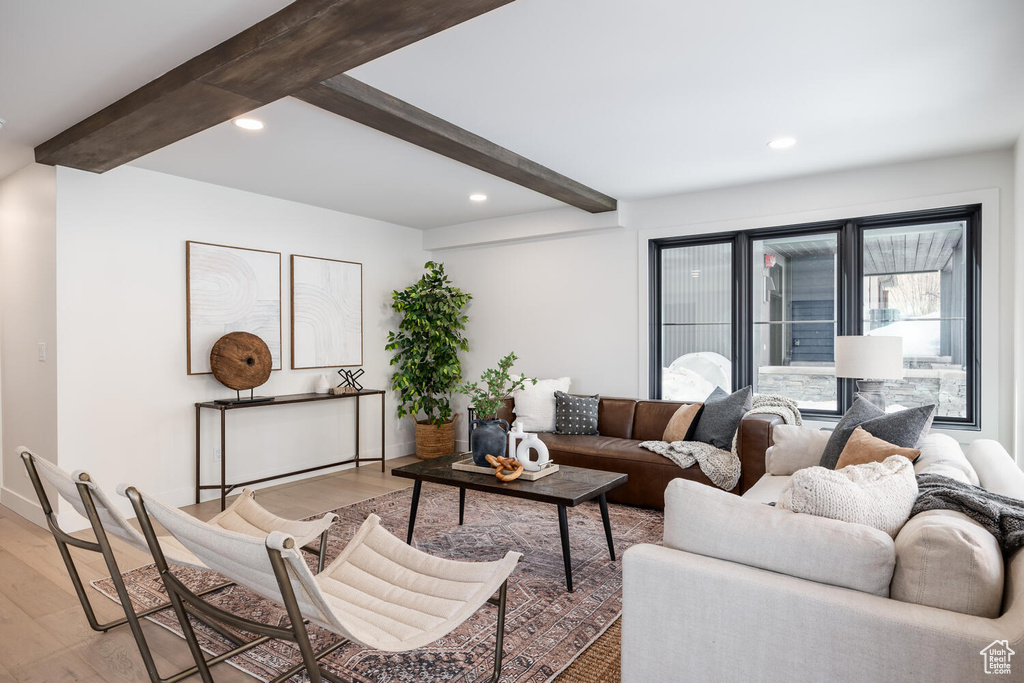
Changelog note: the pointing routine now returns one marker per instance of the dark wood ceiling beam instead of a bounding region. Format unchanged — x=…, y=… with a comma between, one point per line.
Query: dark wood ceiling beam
x=304, y=43
x=355, y=100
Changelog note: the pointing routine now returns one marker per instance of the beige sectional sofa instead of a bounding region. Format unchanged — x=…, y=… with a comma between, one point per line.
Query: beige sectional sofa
x=741, y=591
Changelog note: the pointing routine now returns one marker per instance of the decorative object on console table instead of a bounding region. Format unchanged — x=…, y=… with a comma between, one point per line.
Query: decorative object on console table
x=487, y=432
x=241, y=361
x=230, y=289
x=322, y=386
x=426, y=356
x=870, y=359
x=350, y=379
x=327, y=312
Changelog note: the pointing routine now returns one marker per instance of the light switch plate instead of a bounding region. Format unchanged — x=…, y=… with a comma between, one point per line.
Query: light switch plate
x=42, y=352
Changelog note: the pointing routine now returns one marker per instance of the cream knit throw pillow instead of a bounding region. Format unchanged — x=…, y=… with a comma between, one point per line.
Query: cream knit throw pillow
x=878, y=494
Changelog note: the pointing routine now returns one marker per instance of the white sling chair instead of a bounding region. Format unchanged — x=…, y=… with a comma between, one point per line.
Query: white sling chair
x=379, y=592
x=244, y=516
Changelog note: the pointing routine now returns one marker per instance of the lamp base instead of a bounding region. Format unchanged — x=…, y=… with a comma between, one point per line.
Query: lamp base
x=872, y=391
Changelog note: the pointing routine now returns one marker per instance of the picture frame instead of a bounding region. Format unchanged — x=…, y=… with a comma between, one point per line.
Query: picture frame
x=326, y=312
x=230, y=289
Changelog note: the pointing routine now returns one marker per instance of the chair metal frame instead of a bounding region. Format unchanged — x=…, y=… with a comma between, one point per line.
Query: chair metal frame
x=186, y=602
x=102, y=546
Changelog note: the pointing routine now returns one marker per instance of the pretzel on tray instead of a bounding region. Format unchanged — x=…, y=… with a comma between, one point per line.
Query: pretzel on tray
x=505, y=469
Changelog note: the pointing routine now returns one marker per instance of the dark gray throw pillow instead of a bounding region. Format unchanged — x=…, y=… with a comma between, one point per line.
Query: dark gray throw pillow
x=576, y=415
x=721, y=415
x=904, y=428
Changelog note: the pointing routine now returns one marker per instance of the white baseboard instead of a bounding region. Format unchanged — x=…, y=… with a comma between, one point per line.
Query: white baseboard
x=29, y=509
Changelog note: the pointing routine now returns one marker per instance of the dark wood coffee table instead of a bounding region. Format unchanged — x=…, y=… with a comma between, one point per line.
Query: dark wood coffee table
x=568, y=487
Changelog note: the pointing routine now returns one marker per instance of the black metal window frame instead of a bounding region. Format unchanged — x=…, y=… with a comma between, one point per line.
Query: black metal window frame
x=849, y=295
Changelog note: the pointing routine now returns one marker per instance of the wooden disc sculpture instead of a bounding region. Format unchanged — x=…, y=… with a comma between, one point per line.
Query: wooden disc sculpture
x=505, y=469
x=241, y=361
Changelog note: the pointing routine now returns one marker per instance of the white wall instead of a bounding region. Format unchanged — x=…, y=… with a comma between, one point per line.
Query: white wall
x=566, y=306
x=125, y=401
x=28, y=222
x=1017, y=255
x=578, y=287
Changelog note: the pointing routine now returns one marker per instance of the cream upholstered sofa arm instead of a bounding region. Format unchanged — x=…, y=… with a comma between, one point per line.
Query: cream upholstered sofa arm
x=996, y=470
x=687, y=616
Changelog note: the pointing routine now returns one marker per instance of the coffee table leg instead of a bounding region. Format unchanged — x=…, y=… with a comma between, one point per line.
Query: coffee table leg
x=603, y=502
x=412, y=512
x=462, y=504
x=563, y=531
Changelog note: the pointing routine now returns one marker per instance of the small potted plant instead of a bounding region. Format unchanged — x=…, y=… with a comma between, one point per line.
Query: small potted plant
x=487, y=432
x=426, y=357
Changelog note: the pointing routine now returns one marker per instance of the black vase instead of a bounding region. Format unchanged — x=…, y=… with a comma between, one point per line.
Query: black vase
x=487, y=437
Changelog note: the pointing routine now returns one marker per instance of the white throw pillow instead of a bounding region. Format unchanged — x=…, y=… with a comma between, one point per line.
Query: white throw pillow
x=535, y=405
x=878, y=494
x=941, y=454
x=795, y=448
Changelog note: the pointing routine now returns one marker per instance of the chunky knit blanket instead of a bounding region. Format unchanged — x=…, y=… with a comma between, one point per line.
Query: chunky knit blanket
x=723, y=467
x=1002, y=516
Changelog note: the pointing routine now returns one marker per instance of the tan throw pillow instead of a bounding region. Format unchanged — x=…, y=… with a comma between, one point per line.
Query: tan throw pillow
x=862, y=448
x=679, y=427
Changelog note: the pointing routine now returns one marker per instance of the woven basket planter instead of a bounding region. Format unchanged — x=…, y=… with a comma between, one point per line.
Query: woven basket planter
x=433, y=441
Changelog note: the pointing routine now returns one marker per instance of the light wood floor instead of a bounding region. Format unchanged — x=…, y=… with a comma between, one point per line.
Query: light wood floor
x=44, y=636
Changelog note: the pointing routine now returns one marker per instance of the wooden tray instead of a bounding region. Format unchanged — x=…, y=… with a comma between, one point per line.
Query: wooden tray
x=468, y=466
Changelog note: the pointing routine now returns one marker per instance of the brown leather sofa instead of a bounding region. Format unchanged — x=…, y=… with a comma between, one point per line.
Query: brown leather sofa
x=623, y=423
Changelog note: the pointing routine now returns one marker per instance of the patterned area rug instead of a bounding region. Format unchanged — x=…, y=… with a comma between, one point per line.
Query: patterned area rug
x=546, y=627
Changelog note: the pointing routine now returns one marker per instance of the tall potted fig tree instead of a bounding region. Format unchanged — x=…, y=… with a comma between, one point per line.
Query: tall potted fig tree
x=426, y=356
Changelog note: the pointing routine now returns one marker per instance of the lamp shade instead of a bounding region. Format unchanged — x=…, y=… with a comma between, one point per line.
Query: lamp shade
x=869, y=357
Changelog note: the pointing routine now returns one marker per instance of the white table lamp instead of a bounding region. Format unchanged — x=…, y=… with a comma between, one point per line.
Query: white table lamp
x=870, y=360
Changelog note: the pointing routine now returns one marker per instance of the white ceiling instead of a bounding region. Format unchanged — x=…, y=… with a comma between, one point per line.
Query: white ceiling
x=636, y=99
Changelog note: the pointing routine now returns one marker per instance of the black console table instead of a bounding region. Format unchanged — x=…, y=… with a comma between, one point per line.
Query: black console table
x=226, y=488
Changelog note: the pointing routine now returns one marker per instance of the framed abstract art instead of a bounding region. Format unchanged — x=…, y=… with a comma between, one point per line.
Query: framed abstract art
x=327, y=312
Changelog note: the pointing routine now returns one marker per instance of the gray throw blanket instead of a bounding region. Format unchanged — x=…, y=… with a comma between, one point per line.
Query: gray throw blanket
x=723, y=467
x=1002, y=516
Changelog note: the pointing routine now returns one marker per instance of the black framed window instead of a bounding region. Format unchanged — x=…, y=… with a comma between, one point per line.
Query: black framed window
x=764, y=306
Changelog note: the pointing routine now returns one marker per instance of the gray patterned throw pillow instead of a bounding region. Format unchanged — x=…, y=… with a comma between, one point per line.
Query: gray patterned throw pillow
x=575, y=415
x=903, y=428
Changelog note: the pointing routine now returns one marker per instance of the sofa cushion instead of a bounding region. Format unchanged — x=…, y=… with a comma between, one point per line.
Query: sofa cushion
x=861, y=448
x=683, y=422
x=903, y=428
x=615, y=417
x=795, y=448
x=576, y=414
x=941, y=454
x=945, y=559
x=651, y=418
x=878, y=494
x=721, y=417
x=535, y=405
x=767, y=488
x=601, y=446
x=707, y=521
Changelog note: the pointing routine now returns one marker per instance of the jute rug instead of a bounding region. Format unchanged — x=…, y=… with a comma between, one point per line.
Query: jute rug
x=546, y=627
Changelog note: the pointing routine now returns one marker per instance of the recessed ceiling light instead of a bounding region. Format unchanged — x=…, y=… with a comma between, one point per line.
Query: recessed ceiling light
x=249, y=124
x=782, y=143
x=478, y=197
